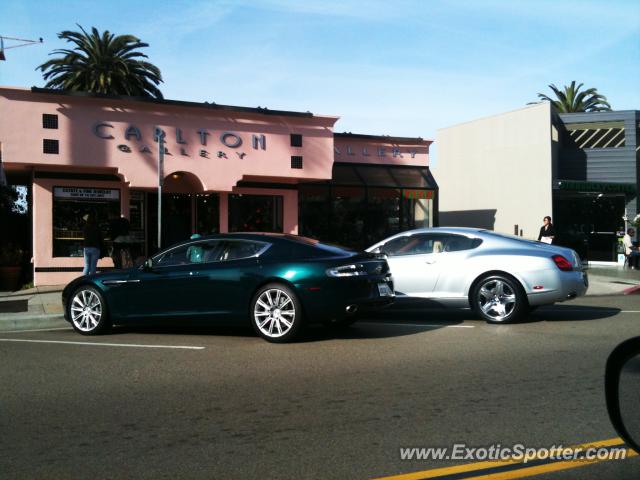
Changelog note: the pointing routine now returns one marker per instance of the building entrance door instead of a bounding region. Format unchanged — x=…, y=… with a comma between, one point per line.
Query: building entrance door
x=589, y=223
x=176, y=219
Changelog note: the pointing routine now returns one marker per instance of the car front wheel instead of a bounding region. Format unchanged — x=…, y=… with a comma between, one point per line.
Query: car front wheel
x=499, y=299
x=276, y=313
x=88, y=311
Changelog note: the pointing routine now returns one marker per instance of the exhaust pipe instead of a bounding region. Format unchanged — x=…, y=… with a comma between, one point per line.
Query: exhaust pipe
x=351, y=309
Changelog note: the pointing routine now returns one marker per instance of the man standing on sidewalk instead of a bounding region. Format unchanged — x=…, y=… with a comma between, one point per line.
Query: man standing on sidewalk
x=630, y=250
x=92, y=241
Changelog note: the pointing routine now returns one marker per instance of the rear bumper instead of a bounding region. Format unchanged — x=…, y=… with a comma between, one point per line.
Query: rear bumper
x=344, y=297
x=568, y=285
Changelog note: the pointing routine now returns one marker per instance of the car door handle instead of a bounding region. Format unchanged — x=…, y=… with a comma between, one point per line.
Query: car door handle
x=430, y=262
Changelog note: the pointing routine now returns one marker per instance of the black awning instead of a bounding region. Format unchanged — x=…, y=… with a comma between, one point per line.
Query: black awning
x=382, y=176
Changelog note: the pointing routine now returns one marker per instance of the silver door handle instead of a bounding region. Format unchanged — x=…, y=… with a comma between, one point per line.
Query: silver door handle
x=430, y=262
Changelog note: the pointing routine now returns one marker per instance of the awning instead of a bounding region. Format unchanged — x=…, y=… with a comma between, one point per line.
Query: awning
x=396, y=176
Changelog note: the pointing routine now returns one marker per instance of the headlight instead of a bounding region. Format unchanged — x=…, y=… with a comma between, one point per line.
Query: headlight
x=352, y=270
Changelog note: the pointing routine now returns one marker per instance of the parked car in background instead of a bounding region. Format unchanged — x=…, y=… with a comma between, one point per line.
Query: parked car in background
x=501, y=277
x=276, y=282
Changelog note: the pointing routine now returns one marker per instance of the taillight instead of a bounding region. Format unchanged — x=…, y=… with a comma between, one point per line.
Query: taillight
x=562, y=263
x=353, y=270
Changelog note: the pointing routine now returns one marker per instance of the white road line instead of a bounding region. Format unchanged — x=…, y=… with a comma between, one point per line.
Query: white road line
x=39, y=330
x=180, y=347
x=416, y=324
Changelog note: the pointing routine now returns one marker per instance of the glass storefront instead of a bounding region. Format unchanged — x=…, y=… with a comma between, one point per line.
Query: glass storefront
x=70, y=204
x=364, y=204
x=176, y=219
x=255, y=213
x=590, y=223
x=207, y=213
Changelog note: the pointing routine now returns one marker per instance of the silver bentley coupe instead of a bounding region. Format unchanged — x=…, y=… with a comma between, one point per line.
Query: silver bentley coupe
x=501, y=277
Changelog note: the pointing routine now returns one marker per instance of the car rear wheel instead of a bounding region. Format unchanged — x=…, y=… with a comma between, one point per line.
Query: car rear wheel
x=499, y=299
x=276, y=313
x=87, y=310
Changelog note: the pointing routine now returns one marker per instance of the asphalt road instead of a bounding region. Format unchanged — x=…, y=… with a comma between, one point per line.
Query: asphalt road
x=339, y=404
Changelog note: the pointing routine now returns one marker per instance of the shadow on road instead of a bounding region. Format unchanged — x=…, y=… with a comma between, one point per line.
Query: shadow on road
x=381, y=324
x=395, y=321
x=570, y=313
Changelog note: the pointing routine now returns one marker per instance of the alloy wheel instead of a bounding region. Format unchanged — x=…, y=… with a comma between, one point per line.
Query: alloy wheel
x=274, y=313
x=497, y=299
x=86, y=310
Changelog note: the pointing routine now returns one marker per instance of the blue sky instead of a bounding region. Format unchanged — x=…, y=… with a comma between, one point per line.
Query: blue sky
x=385, y=67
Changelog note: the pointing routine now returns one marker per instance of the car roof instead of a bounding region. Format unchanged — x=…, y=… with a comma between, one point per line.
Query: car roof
x=261, y=236
x=461, y=230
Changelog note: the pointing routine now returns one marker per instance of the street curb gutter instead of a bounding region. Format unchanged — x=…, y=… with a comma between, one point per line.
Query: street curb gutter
x=32, y=322
x=632, y=290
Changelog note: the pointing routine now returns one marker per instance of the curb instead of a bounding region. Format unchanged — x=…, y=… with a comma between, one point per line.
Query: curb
x=632, y=290
x=32, y=322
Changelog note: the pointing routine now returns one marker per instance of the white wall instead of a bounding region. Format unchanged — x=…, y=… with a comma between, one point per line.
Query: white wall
x=496, y=172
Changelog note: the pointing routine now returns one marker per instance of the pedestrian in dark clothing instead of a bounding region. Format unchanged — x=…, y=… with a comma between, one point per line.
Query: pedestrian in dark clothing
x=92, y=241
x=547, y=231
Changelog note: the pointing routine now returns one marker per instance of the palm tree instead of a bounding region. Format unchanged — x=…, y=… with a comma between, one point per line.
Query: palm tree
x=102, y=63
x=573, y=100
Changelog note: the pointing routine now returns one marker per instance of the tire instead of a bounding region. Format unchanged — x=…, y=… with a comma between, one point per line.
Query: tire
x=88, y=312
x=499, y=299
x=276, y=313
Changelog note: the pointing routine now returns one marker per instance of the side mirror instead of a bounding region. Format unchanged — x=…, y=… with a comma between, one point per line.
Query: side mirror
x=148, y=264
x=622, y=391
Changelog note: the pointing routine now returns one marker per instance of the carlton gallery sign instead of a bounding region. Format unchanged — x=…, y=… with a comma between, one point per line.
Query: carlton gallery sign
x=230, y=140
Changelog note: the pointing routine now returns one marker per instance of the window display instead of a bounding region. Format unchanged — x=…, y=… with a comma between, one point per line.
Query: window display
x=70, y=204
x=255, y=213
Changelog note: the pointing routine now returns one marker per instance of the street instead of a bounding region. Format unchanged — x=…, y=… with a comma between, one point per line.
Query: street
x=190, y=402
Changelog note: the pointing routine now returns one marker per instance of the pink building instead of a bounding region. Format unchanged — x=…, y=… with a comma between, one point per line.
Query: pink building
x=225, y=169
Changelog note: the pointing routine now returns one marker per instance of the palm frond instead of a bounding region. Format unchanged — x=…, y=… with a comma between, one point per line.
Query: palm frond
x=102, y=62
x=572, y=99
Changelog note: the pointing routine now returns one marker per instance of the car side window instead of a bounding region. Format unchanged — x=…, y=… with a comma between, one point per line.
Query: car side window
x=457, y=243
x=418, y=244
x=173, y=257
x=198, y=252
x=239, y=249
x=426, y=243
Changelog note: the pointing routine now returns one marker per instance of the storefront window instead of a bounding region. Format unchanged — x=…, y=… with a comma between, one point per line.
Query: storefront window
x=357, y=217
x=255, y=213
x=70, y=204
x=418, y=208
x=348, y=207
x=314, y=211
x=207, y=213
x=589, y=223
x=382, y=215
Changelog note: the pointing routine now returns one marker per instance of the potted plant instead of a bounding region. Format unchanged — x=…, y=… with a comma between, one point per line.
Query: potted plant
x=10, y=267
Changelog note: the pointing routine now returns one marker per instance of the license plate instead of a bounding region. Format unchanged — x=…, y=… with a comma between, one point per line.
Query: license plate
x=384, y=290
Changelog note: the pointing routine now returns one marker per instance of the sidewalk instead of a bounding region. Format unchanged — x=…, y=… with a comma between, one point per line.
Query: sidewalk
x=612, y=280
x=44, y=304
x=43, y=309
